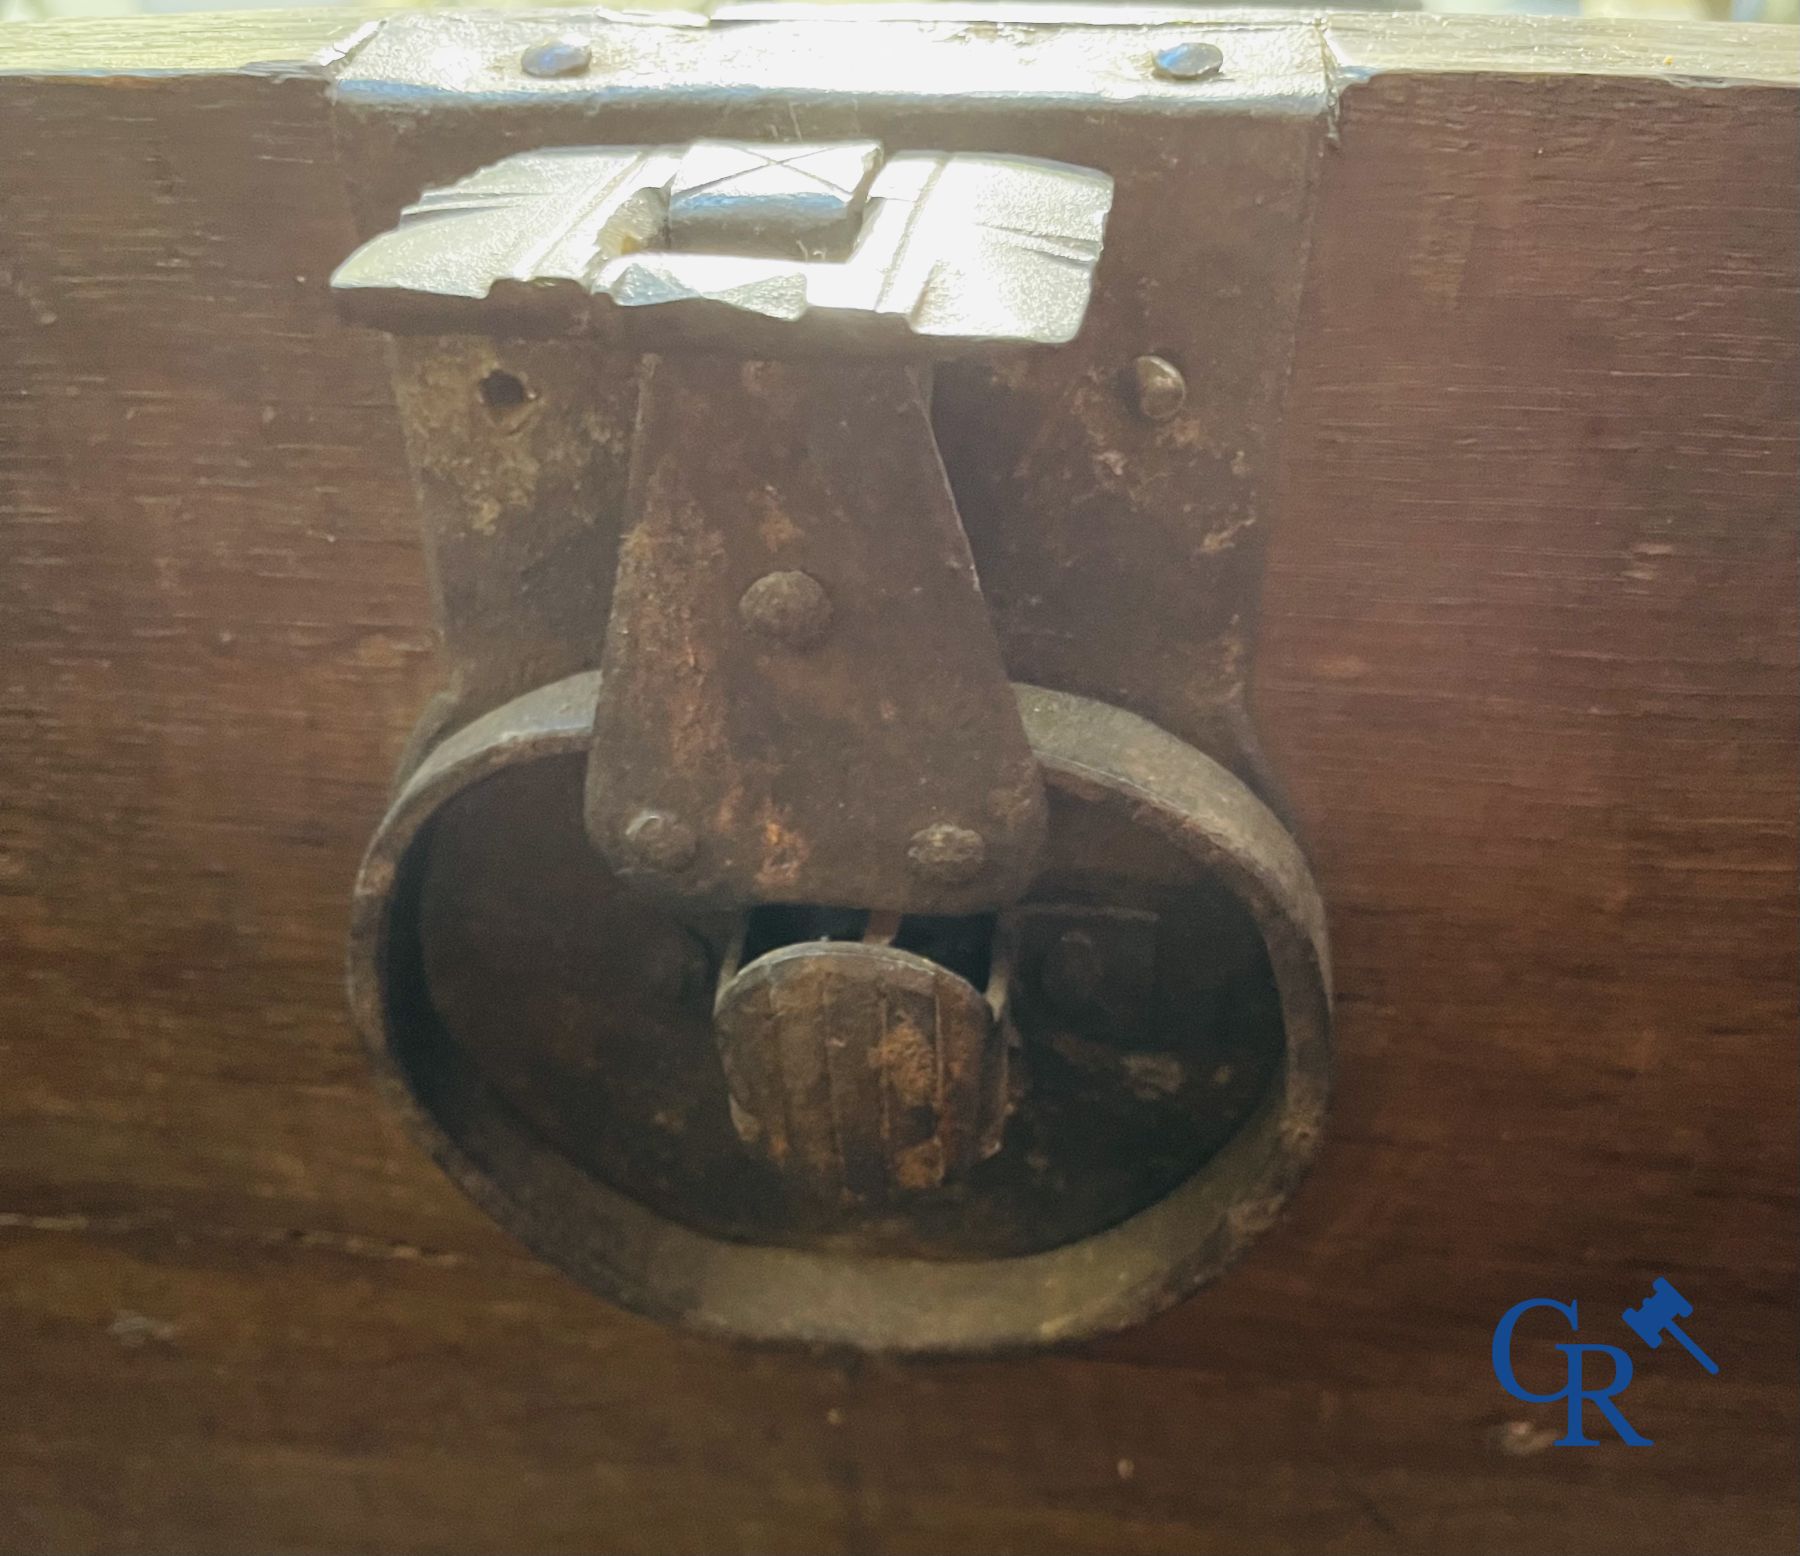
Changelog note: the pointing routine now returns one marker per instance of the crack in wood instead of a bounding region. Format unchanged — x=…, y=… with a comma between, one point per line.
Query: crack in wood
x=130, y=1224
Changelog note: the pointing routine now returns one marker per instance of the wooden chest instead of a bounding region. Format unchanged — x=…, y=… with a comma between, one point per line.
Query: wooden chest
x=1525, y=663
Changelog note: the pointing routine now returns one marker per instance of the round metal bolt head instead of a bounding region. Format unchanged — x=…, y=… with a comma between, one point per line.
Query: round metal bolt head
x=1161, y=390
x=789, y=608
x=555, y=57
x=1190, y=61
x=659, y=841
x=946, y=854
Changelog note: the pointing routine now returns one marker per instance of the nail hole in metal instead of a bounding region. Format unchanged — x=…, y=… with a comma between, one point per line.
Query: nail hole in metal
x=505, y=396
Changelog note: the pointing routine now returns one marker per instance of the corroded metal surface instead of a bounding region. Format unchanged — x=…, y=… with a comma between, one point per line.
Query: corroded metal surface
x=835, y=775
x=1120, y=555
x=805, y=761
x=1137, y=806
x=803, y=700
x=863, y=1070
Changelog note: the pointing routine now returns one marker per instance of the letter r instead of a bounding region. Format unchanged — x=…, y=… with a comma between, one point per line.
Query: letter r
x=1579, y=1392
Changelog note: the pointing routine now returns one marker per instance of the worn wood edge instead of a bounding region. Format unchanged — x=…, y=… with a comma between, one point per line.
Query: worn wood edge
x=1362, y=44
x=1358, y=44
x=304, y=42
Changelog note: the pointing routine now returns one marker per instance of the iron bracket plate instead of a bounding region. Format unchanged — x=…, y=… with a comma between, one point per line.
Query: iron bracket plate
x=1116, y=522
x=801, y=682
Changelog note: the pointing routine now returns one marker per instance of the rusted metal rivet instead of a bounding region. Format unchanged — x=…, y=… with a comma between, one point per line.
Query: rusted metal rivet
x=1161, y=390
x=660, y=841
x=1073, y=970
x=791, y=608
x=946, y=853
x=1190, y=61
x=555, y=57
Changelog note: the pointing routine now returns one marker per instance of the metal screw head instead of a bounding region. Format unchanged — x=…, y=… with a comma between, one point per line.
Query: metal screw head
x=1191, y=61
x=659, y=841
x=554, y=57
x=790, y=608
x=1161, y=390
x=946, y=853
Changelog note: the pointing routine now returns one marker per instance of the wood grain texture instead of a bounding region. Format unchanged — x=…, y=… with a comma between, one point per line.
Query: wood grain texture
x=1370, y=43
x=1529, y=665
x=1528, y=669
x=204, y=43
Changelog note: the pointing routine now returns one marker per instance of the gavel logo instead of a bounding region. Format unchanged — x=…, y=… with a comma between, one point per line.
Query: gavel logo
x=1655, y=1317
x=1650, y=1320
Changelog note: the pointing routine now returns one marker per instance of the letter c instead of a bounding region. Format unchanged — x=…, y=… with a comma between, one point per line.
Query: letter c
x=1503, y=1335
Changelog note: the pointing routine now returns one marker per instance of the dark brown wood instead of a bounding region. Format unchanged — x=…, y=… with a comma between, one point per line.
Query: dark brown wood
x=1527, y=668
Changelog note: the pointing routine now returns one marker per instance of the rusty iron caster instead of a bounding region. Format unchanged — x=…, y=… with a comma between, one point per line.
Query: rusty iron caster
x=742, y=935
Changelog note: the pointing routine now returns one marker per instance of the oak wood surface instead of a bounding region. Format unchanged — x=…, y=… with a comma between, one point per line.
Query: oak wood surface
x=1527, y=668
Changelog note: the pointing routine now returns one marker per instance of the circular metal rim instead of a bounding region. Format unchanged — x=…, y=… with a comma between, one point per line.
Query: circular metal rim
x=1110, y=1280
